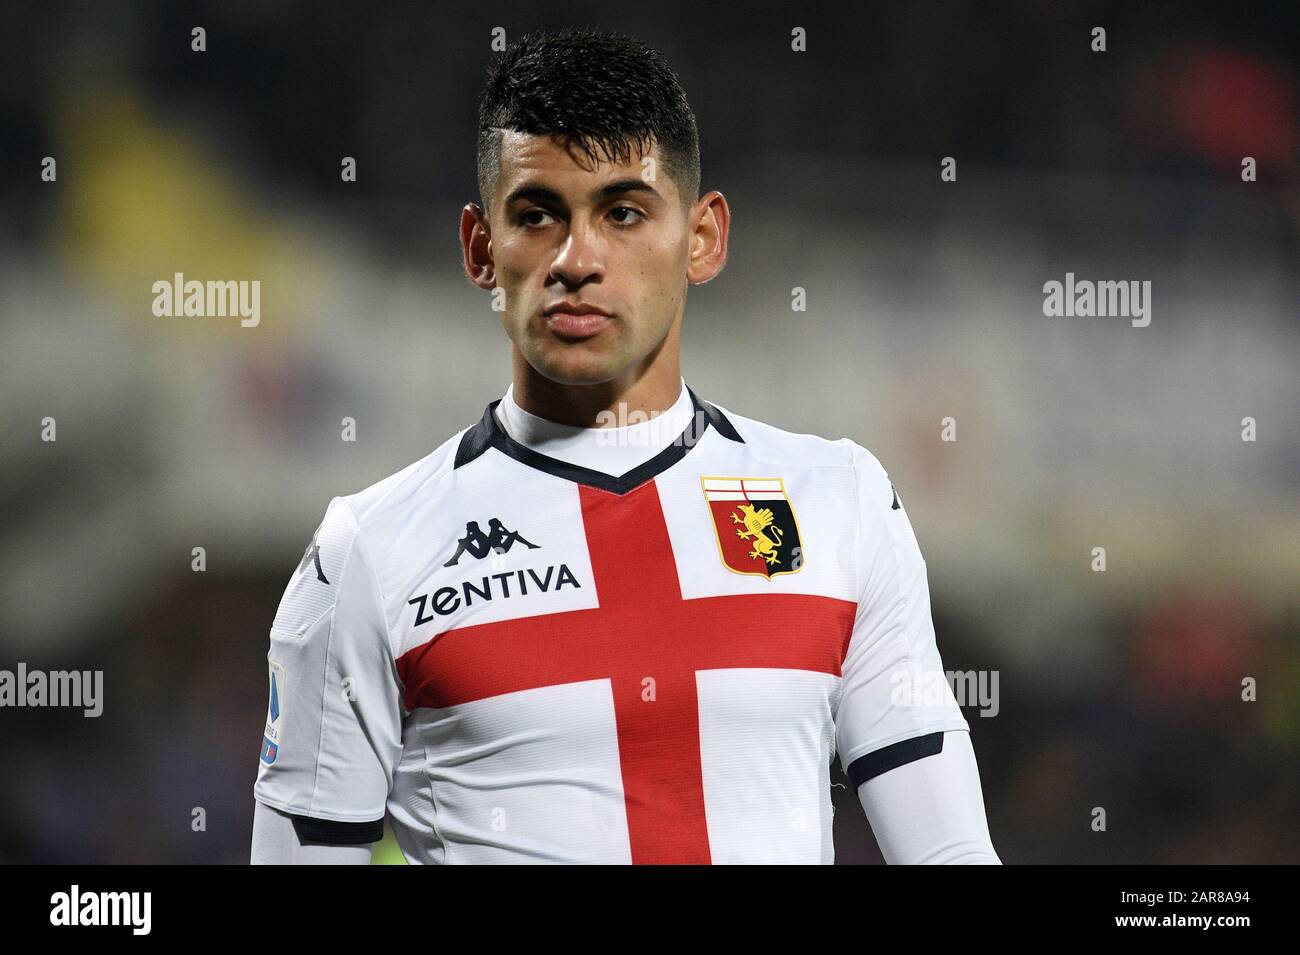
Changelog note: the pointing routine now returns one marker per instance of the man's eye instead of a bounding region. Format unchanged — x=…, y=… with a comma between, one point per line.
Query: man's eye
x=525, y=217
x=635, y=212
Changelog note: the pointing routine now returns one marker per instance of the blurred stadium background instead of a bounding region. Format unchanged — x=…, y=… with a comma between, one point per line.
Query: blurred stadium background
x=1118, y=689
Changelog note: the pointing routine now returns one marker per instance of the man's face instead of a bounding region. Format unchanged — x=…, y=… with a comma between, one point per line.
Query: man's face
x=604, y=239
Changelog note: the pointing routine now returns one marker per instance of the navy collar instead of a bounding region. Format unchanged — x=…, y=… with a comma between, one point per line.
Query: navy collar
x=488, y=433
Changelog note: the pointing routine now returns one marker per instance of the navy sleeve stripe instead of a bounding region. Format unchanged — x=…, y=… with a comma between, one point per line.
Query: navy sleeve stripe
x=869, y=765
x=330, y=833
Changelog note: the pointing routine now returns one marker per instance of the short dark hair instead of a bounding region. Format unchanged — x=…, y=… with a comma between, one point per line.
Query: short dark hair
x=599, y=91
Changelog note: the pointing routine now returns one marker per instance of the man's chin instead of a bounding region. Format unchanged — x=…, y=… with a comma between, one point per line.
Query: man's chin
x=576, y=364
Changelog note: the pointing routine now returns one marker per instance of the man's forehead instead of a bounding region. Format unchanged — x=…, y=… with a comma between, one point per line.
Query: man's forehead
x=526, y=155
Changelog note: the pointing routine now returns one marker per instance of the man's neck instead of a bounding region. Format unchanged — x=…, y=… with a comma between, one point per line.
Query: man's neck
x=615, y=448
x=602, y=405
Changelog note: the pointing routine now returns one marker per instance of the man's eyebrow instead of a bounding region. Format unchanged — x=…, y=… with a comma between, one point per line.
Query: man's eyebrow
x=625, y=185
x=538, y=193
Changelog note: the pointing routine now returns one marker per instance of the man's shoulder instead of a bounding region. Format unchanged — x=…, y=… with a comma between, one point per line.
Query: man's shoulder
x=769, y=440
x=813, y=450
x=419, y=482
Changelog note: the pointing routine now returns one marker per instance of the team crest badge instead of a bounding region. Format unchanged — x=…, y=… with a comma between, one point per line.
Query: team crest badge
x=754, y=523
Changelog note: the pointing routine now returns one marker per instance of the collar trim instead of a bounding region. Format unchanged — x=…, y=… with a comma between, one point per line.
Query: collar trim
x=487, y=433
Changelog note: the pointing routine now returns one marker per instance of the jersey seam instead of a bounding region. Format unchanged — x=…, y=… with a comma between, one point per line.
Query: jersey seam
x=378, y=591
x=906, y=620
x=325, y=672
x=857, y=550
x=441, y=472
x=857, y=581
x=299, y=634
x=287, y=806
x=433, y=800
x=906, y=612
x=857, y=593
x=902, y=589
x=383, y=601
x=764, y=456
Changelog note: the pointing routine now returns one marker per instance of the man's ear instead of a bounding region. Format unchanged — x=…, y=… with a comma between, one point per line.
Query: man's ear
x=710, y=232
x=476, y=246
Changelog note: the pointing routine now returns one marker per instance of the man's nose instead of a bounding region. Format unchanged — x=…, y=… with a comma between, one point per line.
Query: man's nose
x=580, y=258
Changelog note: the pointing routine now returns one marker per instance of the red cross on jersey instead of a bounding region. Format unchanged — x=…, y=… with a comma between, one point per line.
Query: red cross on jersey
x=516, y=659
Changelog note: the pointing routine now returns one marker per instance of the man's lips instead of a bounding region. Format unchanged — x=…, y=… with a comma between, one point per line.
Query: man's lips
x=571, y=325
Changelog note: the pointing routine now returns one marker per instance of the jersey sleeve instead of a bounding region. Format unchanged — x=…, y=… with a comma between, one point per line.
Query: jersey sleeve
x=931, y=811
x=334, y=717
x=895, y=700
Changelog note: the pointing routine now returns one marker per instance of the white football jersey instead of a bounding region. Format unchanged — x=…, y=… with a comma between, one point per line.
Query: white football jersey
x=518, y=659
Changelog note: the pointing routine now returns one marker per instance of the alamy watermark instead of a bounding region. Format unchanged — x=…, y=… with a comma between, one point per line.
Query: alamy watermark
x=212, y=299
x=1085, y=298
x=56, y=688
x=75, y=907
x=613, y=428
x=917, y=686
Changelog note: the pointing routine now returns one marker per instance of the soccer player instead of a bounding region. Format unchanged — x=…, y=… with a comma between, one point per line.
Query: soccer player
x=610, y=621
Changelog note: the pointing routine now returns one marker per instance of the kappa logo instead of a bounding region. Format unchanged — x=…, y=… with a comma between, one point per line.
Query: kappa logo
x=313, y=555
x=498, y=538
x=449, y=599
x=755, y=526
